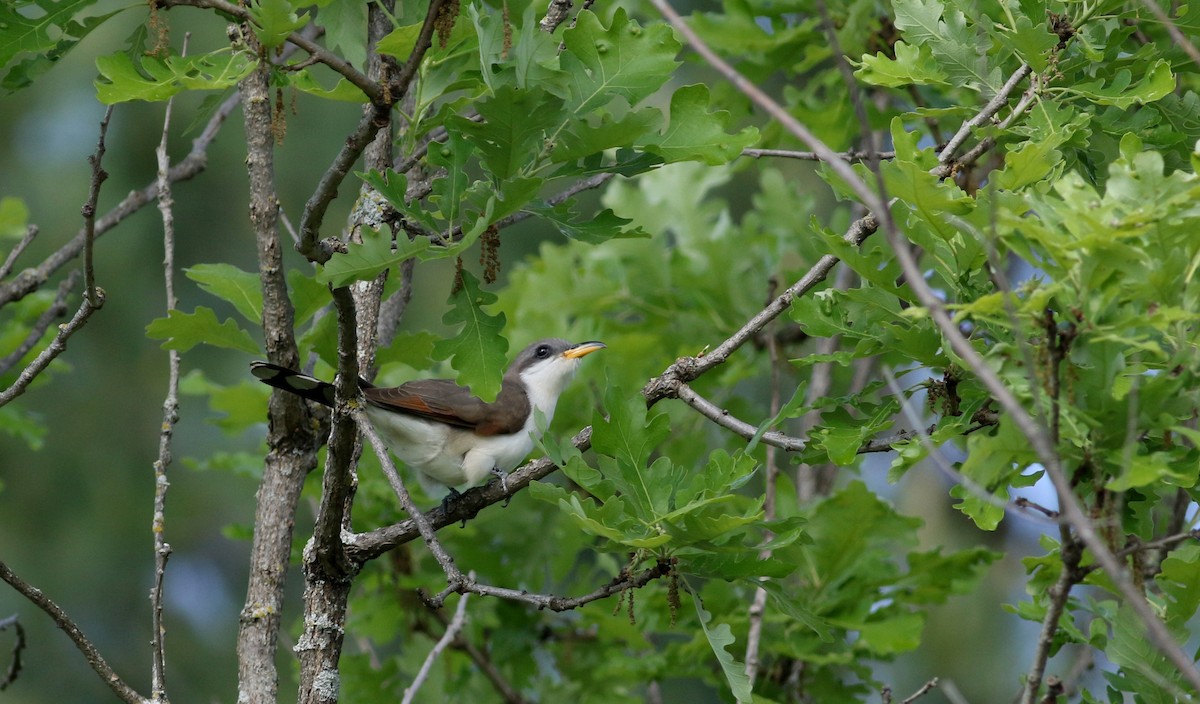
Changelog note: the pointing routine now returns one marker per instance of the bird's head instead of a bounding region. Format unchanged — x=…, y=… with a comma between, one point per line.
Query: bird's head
x=548, y=365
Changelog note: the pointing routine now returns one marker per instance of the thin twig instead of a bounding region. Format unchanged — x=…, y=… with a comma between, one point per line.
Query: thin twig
x=94, y=296
x=1177, y=36
x=836, y=164
x=1058, y=593
x=31, y=232
x=860, y=155
x=404, y=78
x=484, y=662
x=162, y=549
x=97, y=662
x=758, y=606
x=993, y=106
x=922, y=691
x=367, y=546
x=318, y=203
x=453, y=629
x=685, y=369
x=453, y=574
x=31, y=279
x=14, y=663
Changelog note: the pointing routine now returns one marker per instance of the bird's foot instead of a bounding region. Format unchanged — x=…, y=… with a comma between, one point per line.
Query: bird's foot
x=449, y=500
x=503, y=484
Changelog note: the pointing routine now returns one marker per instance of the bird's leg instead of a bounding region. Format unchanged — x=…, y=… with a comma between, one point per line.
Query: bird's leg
x=449, y=499
x=503, y=484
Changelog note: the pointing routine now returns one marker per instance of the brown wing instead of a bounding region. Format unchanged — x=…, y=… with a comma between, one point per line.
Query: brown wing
x=444, y=401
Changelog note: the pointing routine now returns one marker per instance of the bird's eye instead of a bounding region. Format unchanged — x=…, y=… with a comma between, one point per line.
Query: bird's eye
x=542, y=352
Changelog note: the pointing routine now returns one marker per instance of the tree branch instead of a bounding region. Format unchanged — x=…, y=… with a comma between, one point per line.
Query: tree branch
x=852, y=156
x=94, y=296
x=291, y=442
x=31, y=232
x=97, y=662
x=453, y=629
x=686, y=369
x=162, y=550
x=14, y=664
x=369, y=88
x=367, y=546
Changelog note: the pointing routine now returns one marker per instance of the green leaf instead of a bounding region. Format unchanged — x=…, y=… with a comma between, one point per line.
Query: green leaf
x=449, y=191
x=1180, y=582
x=625, y=60
x=1033, y=161
x=958, y=49
x=604, y=225
x=477, y=351
x=273, y=21
x=308, y=295
x=625, y=440
x=33, y=40
x=719, y=638
x=365, y=261
x=183, y=331
x=1122, y=92
x=514, y=127
x=694, y=134
x=913, y=65
x=583, y=138
x=227, y=282
x=400, y=41
x=155, y=79
x=14, y=217
x=20, y=423
x=345, y=26
x=412, y=349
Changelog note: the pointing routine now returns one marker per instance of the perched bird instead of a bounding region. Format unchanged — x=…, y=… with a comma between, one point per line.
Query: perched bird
x=438, y=428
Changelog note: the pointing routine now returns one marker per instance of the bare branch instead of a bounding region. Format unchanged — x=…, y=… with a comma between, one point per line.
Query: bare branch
x=399, y=87
x=31, y=279
x=97, y=662
x=993, y=106
x=162, y=549
x=1071, y=575
x=291, y=441
x=453, y=629
x=686, y=369
x=14, y=663
x=758, y=606
x=30, y=233
x=726, y=420
x=922, y=691
x=860, y=155
x=326, y=190
x=481, y=659
x=94, y=296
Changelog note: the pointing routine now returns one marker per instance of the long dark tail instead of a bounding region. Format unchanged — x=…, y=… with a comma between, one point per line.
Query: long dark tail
x=302, y=385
